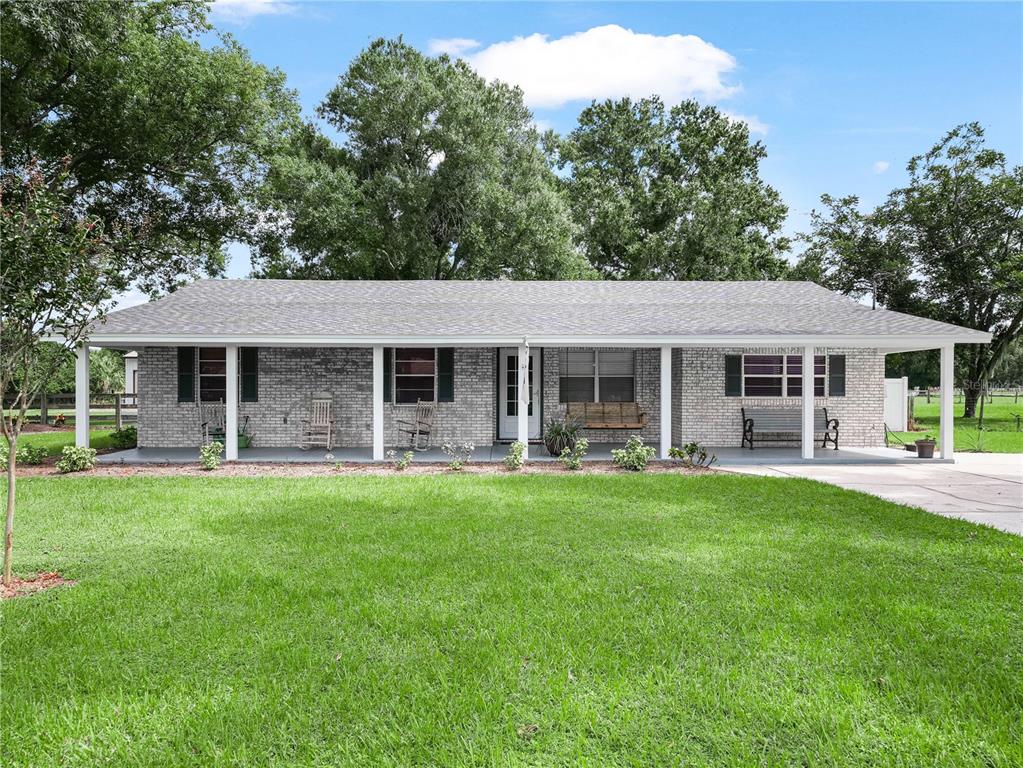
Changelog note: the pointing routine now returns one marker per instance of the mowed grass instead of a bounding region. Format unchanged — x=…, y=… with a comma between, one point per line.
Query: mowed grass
x=600, y=620
x=999, y=435
x=54, y=442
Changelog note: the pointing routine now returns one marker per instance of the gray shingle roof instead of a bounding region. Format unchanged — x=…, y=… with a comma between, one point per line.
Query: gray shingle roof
x=306, y=308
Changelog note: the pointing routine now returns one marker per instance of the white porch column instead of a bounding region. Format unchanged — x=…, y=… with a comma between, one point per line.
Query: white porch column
x=378, y=403
x=231, y=404
x=665, y=400
x=524, y=390
x=946, y=422
x=807, y=441
x=82, y=396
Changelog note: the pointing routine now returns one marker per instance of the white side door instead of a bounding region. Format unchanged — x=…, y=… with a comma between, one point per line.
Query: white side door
x=508, y=394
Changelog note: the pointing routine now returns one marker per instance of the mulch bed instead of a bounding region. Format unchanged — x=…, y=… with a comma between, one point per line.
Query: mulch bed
x=246, y=469
x=38, y=583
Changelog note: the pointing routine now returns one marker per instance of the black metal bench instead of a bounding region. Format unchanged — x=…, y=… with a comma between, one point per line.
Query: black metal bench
x=786, y=421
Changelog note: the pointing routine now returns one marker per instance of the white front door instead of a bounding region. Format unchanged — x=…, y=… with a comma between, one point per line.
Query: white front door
x=508, y=394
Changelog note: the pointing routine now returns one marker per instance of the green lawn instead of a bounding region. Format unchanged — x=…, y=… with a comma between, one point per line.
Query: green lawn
x=999, y=435
x=55, y=441
x=543, y=620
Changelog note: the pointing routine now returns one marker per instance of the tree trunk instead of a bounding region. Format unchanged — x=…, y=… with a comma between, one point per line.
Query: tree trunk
x=971, y=392
x=12, y=459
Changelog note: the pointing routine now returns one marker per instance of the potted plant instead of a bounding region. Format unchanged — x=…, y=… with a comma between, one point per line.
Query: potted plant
x=559, y=434
x=925, y=447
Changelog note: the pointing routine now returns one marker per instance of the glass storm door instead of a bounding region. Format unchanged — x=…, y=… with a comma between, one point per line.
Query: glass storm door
x=508, y=394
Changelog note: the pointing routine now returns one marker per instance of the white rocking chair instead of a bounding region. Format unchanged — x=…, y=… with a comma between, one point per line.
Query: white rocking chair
x=318, y=429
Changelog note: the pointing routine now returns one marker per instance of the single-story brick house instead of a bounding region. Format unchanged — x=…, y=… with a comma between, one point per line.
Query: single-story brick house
x=715, y=348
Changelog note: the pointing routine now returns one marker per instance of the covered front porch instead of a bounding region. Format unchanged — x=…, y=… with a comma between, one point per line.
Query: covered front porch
x=496, y=452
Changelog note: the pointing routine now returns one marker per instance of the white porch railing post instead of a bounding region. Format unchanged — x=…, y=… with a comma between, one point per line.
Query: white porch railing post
x=378, y=403
x=231, y=404
x=524, y=392
x=82, y=396
x=665, y=425
x=946, y=423
x=807, y=436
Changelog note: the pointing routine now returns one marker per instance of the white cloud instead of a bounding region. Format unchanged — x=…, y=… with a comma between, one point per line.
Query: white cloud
x=607, y=62
x=240, y=11
x=881, y=166
x=754, y=123
x=454, y=46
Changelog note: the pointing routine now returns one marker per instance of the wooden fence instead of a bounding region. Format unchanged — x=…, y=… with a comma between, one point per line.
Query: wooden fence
x=124, y=406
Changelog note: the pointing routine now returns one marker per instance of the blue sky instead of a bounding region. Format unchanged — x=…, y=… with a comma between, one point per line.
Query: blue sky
x=841, y=94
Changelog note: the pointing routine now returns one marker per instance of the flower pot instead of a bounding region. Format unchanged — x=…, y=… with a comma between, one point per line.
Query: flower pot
x=555, y=445
x=244, y=441
x=925, y=449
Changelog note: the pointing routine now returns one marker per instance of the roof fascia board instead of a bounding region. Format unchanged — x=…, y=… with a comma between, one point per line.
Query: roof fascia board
x=894, y=342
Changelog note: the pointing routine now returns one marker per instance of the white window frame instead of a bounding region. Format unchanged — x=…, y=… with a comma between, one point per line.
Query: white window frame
x=596, y=372
x=395, y=375
x=785, y=375
x=200, y=375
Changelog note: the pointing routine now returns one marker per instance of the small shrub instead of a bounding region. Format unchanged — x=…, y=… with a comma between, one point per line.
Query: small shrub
x=209, y=455
x=692, y=455
x=400, y=465
x=126, y=437
x=460, y=455
x=76, y=459
x=572, y=458
x=32, y=454
x=634, y=456
x=516, y=456
x=337, y=466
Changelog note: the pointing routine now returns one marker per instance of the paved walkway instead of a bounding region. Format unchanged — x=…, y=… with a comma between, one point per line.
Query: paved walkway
x=982, y=487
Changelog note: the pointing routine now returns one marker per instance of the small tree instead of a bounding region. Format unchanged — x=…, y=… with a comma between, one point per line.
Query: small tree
x=57, y=275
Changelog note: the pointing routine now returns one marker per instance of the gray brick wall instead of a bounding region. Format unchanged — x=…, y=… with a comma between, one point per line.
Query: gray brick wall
x=288, y=378
x=701, y=411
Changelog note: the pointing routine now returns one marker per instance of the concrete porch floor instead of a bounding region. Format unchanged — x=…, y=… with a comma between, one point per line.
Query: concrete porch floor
x=727, y=456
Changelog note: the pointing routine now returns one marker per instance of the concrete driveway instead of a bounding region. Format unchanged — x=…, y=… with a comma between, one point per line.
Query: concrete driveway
x=982, y=487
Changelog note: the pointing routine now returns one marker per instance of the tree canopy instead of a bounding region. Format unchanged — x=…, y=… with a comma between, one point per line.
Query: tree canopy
x=135, y=123
x=439, y=175
x=948, y=245
x=671, y=194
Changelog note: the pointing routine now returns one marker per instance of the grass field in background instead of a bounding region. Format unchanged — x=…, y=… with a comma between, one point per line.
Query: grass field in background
x=54, y=442
x=604, y=620
x=999, y=435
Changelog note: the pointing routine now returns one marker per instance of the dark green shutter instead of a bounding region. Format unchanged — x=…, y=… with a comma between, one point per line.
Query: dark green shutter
x=446, y=375
x=388, y=360
x=249, y=364
x=836, y=375
x=186, y=374
x=733, y=375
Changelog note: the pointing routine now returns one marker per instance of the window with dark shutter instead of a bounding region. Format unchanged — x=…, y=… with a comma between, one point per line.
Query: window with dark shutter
x=186, y=374
x=733, y=375
x=446, y=375
x=388, y=358
x=836, y=375
x=249, y=373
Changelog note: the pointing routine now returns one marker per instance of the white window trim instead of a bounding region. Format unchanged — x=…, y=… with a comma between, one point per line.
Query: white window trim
x=394, y=377
x=785, y=375
x=596, y=373
x=199, y=375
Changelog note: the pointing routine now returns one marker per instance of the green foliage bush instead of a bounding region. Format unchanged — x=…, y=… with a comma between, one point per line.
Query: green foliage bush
x=516, y=456
x=210, y=455
x=692, y=455
x=460, y=455
x=126, y=437
x=572, y=458
x=27, y=454
x=634, y=456
x=76, y=458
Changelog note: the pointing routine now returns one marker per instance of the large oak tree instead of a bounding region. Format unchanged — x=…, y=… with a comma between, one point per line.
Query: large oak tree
x=948, y=245
x=671, y=194
x=438, y=175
